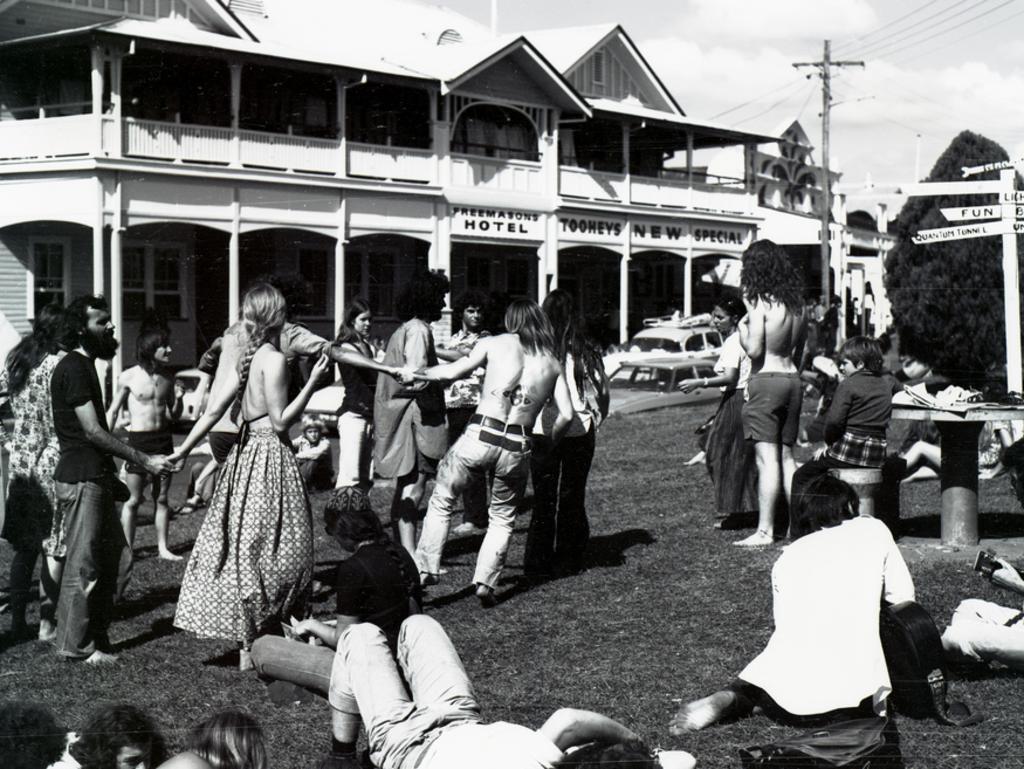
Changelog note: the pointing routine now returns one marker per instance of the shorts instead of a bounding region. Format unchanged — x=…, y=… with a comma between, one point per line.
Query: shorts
x=221, y=442
x=149, y=442
x=426, y=465
x=772, y=411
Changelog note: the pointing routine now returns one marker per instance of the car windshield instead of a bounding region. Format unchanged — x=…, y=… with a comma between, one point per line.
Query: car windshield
x=642, y=378
x=654, y=343
x=190, y=383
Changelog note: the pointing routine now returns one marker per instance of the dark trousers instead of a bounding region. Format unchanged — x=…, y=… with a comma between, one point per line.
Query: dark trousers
x=476, y=495
x=559, y=529
x=749, y=697
x=96, y=553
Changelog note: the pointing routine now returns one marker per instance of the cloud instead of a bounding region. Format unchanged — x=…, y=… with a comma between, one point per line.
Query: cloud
x=776, y=20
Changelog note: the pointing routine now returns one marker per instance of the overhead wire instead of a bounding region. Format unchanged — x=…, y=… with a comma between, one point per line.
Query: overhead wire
x=771, y=107
x=757, y=98
x=962, y=37
x=895, y=22
x=874, y=48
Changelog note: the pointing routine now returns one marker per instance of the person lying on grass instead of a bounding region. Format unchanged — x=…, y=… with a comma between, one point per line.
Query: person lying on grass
x=229, y=739
x=824, y=661
x=377, y=581
x=440, y=727
x=118, y=736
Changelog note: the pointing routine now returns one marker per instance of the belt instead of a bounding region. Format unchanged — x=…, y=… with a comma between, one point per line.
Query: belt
x=496, y=424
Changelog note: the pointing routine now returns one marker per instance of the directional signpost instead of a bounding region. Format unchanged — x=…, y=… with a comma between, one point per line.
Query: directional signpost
x=1005, y=218
x=959, y=470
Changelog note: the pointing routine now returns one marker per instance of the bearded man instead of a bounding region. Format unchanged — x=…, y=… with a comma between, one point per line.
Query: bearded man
x=87, y=486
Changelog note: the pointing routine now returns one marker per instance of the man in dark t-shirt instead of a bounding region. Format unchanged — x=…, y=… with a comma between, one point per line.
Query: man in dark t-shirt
x=86, y=485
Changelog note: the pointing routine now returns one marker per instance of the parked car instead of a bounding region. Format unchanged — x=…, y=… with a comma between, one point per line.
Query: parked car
x=682, y=342
x=652, y=384
x=196, y=385
x=326, y=404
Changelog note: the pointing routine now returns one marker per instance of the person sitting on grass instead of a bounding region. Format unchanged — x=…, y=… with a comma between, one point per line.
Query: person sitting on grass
x=313, y=454
x=230, y=739
x=986, y=632
x=824, y=661
x=439, y=726
x=29, y=736
x=115, y=737
x=856, y=420
x=377, y=581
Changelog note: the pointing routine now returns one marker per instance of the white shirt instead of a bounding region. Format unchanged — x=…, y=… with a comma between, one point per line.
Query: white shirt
x=825, y=652
x=500, y=745
x=734, y=356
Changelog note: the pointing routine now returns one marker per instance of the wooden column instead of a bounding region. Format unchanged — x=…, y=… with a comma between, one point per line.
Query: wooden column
x=233, y=257
x=97, y=237
x=96, y=59
x=342, y=116
x=626, y=163
x=115, y=149
x=627, y=251
x=116, y=272
x=236, y=106
x=339, y=264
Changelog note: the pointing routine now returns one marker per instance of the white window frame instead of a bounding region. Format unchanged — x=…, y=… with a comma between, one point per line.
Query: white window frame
x=149, y=249
x=30, y=272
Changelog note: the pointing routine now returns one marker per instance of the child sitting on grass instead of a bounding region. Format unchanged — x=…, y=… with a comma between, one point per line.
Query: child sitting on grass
x=856, y=421
x=313, y=454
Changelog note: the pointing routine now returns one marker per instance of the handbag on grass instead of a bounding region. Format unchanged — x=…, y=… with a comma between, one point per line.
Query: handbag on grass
x=859, y=743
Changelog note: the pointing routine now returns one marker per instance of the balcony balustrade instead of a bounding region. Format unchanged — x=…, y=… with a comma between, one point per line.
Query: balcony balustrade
x=497, y=174
x=397, y=164
x=41, y=139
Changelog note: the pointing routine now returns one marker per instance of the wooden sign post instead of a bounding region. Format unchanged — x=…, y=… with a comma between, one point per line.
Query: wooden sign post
x=1005, y=218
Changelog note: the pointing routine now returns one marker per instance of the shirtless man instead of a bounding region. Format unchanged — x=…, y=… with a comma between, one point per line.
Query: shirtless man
x=522, y=373
x=772, y=333
x=153, y=404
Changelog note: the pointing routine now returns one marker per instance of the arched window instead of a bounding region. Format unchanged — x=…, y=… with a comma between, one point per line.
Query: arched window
x=495, y=132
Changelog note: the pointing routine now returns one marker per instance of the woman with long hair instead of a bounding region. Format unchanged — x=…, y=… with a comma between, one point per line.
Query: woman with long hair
x=358, y=369
x=229, y=739
x=730, y=457
x=32, y=523
x=559, y=529
x=410, y=435
x=253, y=559
x=377, y=582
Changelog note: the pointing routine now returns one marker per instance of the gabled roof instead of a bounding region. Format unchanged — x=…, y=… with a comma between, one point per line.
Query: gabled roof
x=573, y=44
x=214, y=8
x=716, y=134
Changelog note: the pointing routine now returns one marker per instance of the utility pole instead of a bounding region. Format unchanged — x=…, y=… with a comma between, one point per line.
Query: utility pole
x=825, y=73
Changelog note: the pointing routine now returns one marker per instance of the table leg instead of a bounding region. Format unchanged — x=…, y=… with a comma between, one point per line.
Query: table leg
x=959, y=481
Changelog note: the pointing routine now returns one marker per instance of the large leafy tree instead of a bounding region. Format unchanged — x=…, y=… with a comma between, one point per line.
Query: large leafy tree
x=947, y=298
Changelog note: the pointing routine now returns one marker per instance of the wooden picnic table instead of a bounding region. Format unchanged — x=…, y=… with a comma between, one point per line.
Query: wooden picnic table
x=958, y=475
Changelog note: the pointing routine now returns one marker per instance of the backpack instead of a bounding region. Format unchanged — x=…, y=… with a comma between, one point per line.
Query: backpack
x=859, y=743
x=914, y=655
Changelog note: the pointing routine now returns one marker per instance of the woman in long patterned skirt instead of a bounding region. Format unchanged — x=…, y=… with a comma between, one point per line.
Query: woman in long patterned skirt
x=252, y=562
x=730, y=458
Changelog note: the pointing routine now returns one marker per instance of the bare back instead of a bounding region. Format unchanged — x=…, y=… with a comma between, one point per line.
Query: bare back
x=517, y=384
x=778, y=336
x=226, y=376
x=264, y=385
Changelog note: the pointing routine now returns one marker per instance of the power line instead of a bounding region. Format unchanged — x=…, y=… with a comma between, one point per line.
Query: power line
x=893, y=23
x=947, y=31
x=768, y=109
x=872, y=48
x=962, y=37
x=756, y=99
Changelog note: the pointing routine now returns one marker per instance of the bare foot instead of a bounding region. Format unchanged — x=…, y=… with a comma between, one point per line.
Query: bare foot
x=759, y=538
x=167, y=555
x=47, y=630
x=699, y=714
x=100, y=658
x=245, y=662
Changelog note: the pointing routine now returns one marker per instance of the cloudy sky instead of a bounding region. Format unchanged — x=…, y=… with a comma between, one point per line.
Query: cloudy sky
x=933, y=68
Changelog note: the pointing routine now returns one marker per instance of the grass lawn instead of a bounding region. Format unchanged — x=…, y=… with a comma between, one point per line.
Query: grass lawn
x=668, y=610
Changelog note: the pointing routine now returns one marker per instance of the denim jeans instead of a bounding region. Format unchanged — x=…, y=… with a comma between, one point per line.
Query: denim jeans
x=97, y=552
x=297, y=662
x=469, y=459
x=474, y=496
x=978, y=630
x=367, y=682
x=559, y=529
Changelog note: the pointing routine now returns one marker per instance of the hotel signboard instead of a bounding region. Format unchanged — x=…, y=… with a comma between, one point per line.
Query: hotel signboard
x=496, y=223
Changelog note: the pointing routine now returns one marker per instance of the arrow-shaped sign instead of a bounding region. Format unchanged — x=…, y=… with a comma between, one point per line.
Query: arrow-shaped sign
x=952, y=188
x=1017, y=196
x=972, y=212
x=962, y=232
x=971, y=170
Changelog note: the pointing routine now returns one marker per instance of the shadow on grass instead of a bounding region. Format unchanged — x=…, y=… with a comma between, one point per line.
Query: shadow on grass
x=990, y=526
x=603, y=551
x=160, y=629
x=152, y=598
